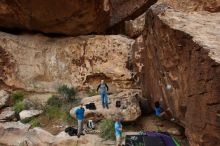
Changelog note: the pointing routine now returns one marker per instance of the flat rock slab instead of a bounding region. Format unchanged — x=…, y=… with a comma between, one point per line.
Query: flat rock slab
x=7, y=114
x=129, y=110
x=25, y=114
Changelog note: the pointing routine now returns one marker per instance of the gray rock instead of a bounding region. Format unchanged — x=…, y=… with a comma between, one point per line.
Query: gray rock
x=7, y=114
x=4, y=98
x=25, y=114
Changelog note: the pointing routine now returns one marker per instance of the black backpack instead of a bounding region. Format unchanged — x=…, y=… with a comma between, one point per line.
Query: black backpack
x=91, y=106
x=71, y=131
x=118, y=104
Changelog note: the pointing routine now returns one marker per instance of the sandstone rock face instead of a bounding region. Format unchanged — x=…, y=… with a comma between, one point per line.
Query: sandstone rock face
x=37, y=63
x=25, y=114
x=134, y=28
x=122, y=9
x=194, y=5
x=129, y=110
x=74, y=17
x=16, y=133
x=182, y=69
x=4, y=98
x=7, y=114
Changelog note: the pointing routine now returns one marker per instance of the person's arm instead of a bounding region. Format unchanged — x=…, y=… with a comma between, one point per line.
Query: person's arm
x=98, y=87
x=106, y=86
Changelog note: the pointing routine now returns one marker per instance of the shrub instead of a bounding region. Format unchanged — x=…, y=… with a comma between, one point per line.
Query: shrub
x=54, y=101
x=92, y=92
x=107, y=129
x=18, y=96
x=67, y=92
x=34, y=122
x=53, y=112
x=19, y=106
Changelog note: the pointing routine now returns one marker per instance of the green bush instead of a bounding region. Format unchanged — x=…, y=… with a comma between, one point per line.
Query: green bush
x=53, y=112
x=19, y=106
x=107, y=129
x=54, y=101
x=18, y=96
x=34, y=122
x=92, y=92
x=67, y=92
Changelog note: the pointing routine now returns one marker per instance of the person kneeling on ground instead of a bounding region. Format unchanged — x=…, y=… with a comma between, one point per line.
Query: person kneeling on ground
x=103, y=88
x=80, y=117
x=162, y=114
x=118, y=131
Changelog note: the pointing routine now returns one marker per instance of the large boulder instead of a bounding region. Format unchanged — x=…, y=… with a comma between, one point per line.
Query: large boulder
x=128, y=9
x=182, y=69
x=75, y=17
x=4, y=98
x=194, y=5
x=7, y=114
x=129, y=110
x=39, y=63
x=26, y=114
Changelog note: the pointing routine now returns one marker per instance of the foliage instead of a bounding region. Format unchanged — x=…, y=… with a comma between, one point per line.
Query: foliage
x=55, y=101
x=34, y=122
x=107, y=129
x=19, y=106
x=91, y=92
x=53, y=112
x=67, y=92
x=18, y=96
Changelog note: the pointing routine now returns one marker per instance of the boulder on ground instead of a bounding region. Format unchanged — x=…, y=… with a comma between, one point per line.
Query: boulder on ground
x=182, y=69
x=25, y=114
x=7, y=114
x=4, y=98
x=129, y=110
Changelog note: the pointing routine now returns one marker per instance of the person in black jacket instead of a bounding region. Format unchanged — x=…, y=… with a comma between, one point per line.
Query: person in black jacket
x=102, y=89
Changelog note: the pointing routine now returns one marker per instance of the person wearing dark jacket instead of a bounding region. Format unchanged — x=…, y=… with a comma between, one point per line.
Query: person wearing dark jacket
x=102, y=89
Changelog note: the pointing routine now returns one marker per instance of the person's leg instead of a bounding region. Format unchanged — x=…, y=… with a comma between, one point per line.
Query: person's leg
x=118, y=141
x=106, y=100
x=82, y=127
x=103, y=100
x=79, y=128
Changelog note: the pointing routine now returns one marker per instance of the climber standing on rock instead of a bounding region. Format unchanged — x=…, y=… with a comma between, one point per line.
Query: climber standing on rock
x=80, y=117
x=102, y=89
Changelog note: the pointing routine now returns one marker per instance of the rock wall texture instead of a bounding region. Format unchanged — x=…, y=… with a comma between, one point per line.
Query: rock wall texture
x=122, y=9
x=39, y=63
x=182, y=69
x=73, y=17
x=194, y=5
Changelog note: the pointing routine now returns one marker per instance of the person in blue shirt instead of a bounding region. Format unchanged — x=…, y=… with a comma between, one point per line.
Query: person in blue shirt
x=80, y=117
x=157, y=109
x=118, y=131
x=103, y=88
